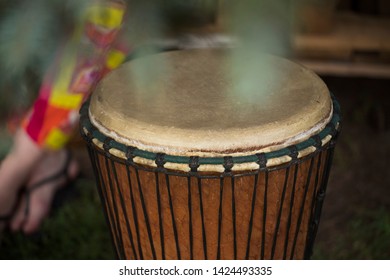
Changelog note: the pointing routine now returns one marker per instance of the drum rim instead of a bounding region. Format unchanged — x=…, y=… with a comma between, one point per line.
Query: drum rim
x=219, y=164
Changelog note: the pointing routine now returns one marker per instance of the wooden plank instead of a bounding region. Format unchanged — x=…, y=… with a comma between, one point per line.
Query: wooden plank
x=352, y=35
x=348, y=69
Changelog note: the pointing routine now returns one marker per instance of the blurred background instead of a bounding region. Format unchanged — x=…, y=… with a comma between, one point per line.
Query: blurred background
x=346, y=42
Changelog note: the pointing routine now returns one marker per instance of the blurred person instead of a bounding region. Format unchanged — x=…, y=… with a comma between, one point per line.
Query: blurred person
x=38, y=163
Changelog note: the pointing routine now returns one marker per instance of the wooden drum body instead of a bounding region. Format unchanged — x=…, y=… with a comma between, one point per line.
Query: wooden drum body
x=199, y=172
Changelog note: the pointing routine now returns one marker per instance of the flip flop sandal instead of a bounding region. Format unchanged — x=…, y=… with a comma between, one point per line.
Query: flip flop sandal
x=5, y=218
x=62, y=173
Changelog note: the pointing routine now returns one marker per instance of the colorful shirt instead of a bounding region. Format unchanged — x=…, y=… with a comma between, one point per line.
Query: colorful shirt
x=94, y=49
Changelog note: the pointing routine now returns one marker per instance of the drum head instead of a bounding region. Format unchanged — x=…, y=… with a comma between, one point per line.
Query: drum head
x=190, y=103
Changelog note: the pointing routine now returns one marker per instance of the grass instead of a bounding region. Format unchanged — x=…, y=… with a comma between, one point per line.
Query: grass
x=77, y=230
x=367, y=237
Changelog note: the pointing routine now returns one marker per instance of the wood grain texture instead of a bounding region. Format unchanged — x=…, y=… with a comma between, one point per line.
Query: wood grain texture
x=158, y=216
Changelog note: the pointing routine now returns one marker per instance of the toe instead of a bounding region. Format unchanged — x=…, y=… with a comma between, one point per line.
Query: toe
x=28, y=218
x=19, y=216
x=37, y=214
x=41, y=197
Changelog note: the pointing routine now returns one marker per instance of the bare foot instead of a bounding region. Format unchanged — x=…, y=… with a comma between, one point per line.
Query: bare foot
x=40, y=198
x=15, y=170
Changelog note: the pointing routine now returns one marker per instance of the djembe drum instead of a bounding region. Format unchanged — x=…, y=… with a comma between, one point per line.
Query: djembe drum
x=198, y=171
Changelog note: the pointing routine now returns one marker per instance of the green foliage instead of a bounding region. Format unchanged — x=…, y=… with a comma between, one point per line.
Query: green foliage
x=30, y=34
x=367, y=238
